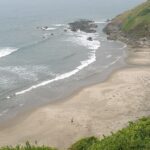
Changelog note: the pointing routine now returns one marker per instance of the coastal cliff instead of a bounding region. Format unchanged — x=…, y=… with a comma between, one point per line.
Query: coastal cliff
x=131, y=27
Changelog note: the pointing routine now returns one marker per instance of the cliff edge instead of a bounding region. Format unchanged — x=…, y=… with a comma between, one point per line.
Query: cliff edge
x=131, y=27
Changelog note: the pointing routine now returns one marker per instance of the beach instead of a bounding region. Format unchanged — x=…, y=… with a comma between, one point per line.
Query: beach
x=94, y=111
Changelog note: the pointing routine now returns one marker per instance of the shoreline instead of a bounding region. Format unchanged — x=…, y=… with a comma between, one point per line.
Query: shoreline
x=94, y=79
x=22, y=115
x=95, y=110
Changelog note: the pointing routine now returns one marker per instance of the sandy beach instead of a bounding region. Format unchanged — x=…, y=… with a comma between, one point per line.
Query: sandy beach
x=94, y=111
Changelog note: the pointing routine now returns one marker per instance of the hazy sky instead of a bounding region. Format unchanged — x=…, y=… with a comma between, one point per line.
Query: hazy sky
x=61, y=8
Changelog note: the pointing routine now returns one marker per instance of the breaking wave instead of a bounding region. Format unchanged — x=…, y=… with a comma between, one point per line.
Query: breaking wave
x=7, y=51
x=81, y=39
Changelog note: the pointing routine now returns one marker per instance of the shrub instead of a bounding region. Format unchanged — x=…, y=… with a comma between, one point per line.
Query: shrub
x=84, y=144
x=135, y=137
x=27, y=146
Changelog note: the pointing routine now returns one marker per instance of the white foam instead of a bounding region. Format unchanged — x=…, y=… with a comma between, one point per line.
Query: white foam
x=100, y=22
x=21, y=105
x=50, y=29
x=7, y=51
x=4, y=112
x=103, y=38
x=81, y=39
x=59, y=25
x=62, y=76
x=108, y=56
x=113, y=62
x=125, y=45
x=84, y=64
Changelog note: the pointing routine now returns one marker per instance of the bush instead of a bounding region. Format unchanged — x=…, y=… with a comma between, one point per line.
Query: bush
x=84, y=144
x=27, y=146
x=135, y=137
x=145, y=12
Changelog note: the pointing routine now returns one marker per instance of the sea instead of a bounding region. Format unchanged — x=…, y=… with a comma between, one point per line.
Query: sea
x=39, y=66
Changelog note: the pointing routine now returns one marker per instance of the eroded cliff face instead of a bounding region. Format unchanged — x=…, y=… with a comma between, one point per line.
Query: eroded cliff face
x=131, y=27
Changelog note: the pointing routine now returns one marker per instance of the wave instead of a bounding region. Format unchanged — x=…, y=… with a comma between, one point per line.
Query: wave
x=108, y=56
x=113, y=62
x=100, y=22
x=25, y=73
x=49, y=29
x=4, y=112
x=125, y=45
x=81, y=39
x=92, y=58
x=59, y=25
x=7, y=51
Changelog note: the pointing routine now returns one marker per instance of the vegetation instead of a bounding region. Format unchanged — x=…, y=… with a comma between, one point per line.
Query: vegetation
x=27, y=146
x=136, y=22
x=134, y=137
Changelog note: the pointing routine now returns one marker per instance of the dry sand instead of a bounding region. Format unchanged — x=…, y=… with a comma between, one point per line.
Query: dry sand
x=96, y=110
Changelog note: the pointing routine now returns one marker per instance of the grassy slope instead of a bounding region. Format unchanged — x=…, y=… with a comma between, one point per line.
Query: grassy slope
x=27, y=146
x=135, y=137
x=136, y=22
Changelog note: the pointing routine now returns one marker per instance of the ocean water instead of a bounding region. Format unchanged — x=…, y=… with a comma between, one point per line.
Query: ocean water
x=36, y=67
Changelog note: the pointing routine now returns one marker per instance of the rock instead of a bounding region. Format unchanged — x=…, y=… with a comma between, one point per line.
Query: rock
x=83, y=25
x=65, y=30
x=108, y=20
x=90, y=39
x=52, y=34
x=44, y=28
x=143, y=39
x=112, y=36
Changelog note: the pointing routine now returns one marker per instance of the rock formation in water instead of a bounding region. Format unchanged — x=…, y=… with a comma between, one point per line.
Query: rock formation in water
x=83, y=25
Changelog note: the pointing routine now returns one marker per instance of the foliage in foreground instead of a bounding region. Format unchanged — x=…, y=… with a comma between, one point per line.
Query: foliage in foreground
x=135, y=137
x=27, y=146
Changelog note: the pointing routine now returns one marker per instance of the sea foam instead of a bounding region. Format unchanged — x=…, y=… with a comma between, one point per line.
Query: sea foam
x=59, y=25
x=7, y=51
x=79, y=38
x=50, y=29
x=100, y=22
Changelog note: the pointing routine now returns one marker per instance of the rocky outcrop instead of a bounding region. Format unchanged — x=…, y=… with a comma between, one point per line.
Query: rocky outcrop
x=114, y=32
x=83, y=25
x=90, y=39
x=131, y=27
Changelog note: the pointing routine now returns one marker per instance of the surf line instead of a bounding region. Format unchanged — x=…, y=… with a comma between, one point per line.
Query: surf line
x=7, y=51
x=91, y=59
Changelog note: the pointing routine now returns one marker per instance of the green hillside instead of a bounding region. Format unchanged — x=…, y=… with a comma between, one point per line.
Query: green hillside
x=136, y=22
x=135, y=137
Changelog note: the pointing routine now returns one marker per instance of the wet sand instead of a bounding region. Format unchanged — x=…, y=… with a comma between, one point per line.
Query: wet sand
x=96, y=110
